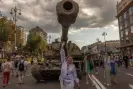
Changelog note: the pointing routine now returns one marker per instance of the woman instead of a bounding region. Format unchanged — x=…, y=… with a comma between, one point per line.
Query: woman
x=114, y=65
x=90, y=66
x=68, y=75
x=85, y=61
x=107, y=70
x=6, y=70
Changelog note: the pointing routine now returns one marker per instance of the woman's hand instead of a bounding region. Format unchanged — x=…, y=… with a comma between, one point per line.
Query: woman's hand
x=78, y=85
x=62, y=45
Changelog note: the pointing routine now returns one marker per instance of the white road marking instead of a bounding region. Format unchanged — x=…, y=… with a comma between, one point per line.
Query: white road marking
x=99, y=83
x=131, y=86
x=86, y=79
x=94, y=82
x=129, y=74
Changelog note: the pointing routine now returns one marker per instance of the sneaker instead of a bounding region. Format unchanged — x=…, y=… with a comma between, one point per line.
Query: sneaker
x=108, y=85
x=96, y=72
x=87, y=83
x=93, y=85
x=3, y=85
x=116, y=82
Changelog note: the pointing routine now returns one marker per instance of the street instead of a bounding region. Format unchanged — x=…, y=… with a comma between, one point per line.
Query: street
x=124, y=79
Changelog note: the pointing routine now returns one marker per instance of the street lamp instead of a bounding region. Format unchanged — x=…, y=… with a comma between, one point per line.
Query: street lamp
x=49, y=38
x=14, y=12
x=104, y=34
x=97, y=45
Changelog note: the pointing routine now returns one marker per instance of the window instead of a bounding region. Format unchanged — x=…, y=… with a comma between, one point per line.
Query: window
x=121, y=34
x=127, y=41
x=126, y=32
x=131, y=10
x=132, y=36
x=131, y=20
x=125, y=15
x=126, y=23
x=120, y=19
x=132, y=32
x=121, y=27
x=132, y=29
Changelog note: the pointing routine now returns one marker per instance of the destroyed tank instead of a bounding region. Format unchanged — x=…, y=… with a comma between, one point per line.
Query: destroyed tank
x=67, y=12
x=51, y=68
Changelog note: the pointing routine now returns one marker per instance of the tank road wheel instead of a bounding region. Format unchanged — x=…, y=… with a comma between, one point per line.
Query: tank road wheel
x=36, y=74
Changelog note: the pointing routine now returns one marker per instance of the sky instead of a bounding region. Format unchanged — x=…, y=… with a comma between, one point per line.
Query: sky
x=94, y=18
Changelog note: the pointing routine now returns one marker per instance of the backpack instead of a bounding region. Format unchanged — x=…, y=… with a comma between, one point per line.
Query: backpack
x=21, y=66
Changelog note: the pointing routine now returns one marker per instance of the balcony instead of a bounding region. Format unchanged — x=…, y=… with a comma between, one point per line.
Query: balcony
x=121, y=6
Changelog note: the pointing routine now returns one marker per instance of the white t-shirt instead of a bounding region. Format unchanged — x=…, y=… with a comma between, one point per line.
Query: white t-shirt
x=7, y=66
x=35, y=61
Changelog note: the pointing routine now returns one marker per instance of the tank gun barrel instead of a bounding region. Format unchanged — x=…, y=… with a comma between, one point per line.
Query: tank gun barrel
x=67, y=11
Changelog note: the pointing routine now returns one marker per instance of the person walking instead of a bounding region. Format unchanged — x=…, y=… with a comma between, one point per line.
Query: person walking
x=85, y=61
x=130, y=61
x=6, y=70
x=107, y=68
x=21, y=70
x=90, y=67
x=114, y=66
x=16, y=60
x=28, y=66
x=68, y=76
x=96, y=64
x=125, y=58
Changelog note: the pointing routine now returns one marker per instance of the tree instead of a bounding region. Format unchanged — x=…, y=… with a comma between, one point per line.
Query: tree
x=7, y=29
x=35, y=44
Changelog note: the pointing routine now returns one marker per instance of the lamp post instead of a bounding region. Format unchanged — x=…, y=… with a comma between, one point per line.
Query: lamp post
x=14, y=12
x=97, y=45
x=104, y=34
x=2, y=40
x=49, y=38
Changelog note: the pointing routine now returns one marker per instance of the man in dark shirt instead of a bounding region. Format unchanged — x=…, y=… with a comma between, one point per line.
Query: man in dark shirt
x=125, y=58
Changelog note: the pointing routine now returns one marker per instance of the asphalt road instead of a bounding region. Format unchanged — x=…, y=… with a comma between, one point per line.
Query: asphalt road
x=124, y=79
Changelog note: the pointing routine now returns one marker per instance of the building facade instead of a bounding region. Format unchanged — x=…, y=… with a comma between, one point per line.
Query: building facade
x=99, y=47
x=38, y=31
x=125, y=22
x=23, y=37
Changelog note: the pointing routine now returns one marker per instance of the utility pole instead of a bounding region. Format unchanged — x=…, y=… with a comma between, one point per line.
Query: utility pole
x=97, y=45
x=104, y=34
x=14, y=12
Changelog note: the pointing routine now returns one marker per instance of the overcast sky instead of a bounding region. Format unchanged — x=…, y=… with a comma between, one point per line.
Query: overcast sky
x=95, y=17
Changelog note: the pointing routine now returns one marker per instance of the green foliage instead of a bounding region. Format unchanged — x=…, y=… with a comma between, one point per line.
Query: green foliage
x=35, y=44
x=4, y=33
x=6, y=30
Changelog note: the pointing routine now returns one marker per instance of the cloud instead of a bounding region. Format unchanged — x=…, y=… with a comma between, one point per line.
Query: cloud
x=92, y=14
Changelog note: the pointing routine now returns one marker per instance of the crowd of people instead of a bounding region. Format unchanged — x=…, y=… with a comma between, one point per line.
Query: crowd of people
x=109, y=62
x=16, y=66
